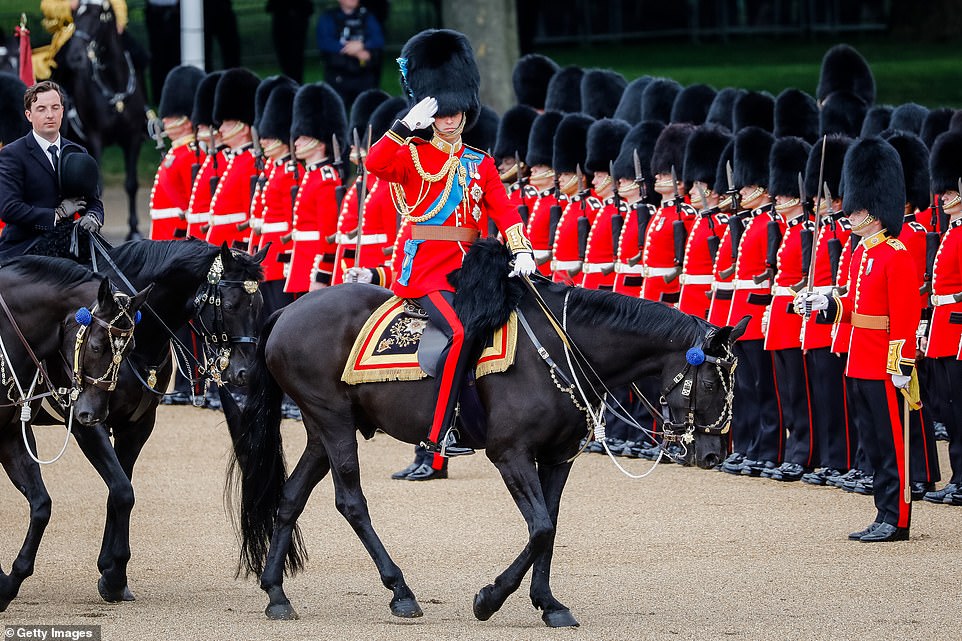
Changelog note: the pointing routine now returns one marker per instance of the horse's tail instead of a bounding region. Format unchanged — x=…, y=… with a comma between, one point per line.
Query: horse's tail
x=256, y=470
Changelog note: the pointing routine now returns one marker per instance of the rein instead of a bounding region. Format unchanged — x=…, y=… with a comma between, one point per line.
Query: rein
x=116, y=99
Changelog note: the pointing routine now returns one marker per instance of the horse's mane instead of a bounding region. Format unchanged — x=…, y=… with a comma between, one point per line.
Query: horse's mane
x=47, y=270
x=156, y=259
x=624, y=313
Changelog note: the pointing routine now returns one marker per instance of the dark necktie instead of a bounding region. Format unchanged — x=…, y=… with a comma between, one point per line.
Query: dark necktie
x=52, y=150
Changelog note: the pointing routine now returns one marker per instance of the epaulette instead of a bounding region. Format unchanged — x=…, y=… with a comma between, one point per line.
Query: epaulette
x=795, y=222
x=809, y=225
x=917, y=227
x=722, y=218
x=845, y=224
x=594, y=203
x=328, y=172
x=531, y=192
x=547, y=192
x=688, y=210
x=896, y=244
x=475, y=149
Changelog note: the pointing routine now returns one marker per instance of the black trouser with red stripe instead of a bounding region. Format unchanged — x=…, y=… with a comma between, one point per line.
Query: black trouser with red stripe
x=947, y=381
x=452, y=366
x=924, y=455
x=830, y=425
x=793, y=404
x=879, y=407
x=755, y=386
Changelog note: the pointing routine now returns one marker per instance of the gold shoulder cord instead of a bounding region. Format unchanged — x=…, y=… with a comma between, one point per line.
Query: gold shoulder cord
x=450, y=169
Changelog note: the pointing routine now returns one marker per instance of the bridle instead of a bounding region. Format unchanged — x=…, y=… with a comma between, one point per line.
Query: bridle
x=120, y=340
x=217, y=342
x=116, y=99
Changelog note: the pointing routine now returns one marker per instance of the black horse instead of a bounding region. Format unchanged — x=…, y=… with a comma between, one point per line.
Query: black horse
x=68, y=316
x=533, y=425
x=216, y=290
x=106, y=102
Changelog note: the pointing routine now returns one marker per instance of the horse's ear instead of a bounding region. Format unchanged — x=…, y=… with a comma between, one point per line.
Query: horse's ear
x=739, y=328
x=259, y=256
x=105, y=295
x=225, y=254
x=140, y=297
x=716, y=338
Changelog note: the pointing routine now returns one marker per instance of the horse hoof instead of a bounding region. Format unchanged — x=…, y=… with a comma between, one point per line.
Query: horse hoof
x=560, y=619
x=482, y=609
x=114, y=596
x=281, y=612
x=406, y=608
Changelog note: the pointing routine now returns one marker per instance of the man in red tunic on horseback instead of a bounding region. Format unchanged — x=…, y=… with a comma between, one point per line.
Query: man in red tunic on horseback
x=442, y=188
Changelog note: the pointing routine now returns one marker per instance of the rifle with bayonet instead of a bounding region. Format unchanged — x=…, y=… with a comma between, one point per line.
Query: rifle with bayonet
x=810, y=276
x=932, y=241
x=338, y=164
x=808, y=234
x=642, y=211
x=834, y=244
x=617, y=219
x=554, y=214
x=735, y=225
x=679, y=232
x=714, y=241
x=215, y=178
x=361, y=197
x=583, y=224
x=259, y=179
x=520, y=181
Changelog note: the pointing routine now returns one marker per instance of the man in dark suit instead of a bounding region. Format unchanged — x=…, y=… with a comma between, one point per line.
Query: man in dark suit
x=31, y=204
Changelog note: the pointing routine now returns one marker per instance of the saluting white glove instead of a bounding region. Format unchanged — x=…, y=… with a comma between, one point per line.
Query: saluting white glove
x=805, y=303
x=523, y=264
x=421, y=114
x=901, y=382
x=358, y=275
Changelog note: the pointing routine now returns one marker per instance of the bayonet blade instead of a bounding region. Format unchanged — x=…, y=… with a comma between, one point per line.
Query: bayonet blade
x=828, y=197
x=517, y=168
x=674, y=184
x=801, y=188
x=730, y=175
x=336, y=149
x=639, y=176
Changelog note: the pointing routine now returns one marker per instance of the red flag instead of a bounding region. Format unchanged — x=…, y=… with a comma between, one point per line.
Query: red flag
x=26, y=52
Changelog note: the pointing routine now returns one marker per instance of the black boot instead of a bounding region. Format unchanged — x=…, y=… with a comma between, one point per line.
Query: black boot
x=425, y=472
x=448, y=447
x=420, y=456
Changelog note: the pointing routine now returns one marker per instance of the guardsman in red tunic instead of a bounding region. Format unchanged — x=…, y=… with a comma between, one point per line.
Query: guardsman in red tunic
x=441, y=187
x=510, y=152
x=704, y=149
x=170, y=193
x=781, y=325
x=210, y=160
x=831, y=427
x=539, y=159
x=604, y=144
x=318, y=116
x=758, y=423
x=944, y=342
x=884, y=312
x=234, y=110
x=570, y=151
x=723, y=267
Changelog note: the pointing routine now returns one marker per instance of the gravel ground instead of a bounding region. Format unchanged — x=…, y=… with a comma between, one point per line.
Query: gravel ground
x=684, y=554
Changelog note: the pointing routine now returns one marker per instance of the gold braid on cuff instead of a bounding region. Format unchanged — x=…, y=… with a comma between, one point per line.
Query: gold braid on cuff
x=516, y=240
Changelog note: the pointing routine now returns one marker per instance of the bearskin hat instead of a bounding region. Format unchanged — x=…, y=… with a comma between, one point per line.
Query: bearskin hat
x=726, y=158
x=658, y=99
x=571, y=143
x=440, y=63
x=384, y=116
x=786, y=163
x=234, y=96
x=641, y=138
x=541, y=138
x=835, y=147
x=874, y=181
x=753, y=146
x=704, y=148
x=513, y=132
x=720, y=112
x=601, y=91
x=12, y=123
x=956, y=123
x=564, y=90
x=629, y=107
x=908, y=117
x=177, y=96
x=692, y=104
x=936, y=123
x=319, y=113
x=796, y=114
x=754, y=109
x=842, y=113
x=278, y=114
x=484, y=132
x=530, y=78
x=77, y=172
x=945, y=163
x=264, y=90
x=876, y=121
x=360, y=116
x=604, y=143
x=670, y=148
x=915, y=168
x=203, y=112
x=845, y=70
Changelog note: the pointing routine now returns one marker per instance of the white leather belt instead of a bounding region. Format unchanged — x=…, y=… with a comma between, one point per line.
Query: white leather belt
x=945, y=299
x=625, y=268
x=649, y=272
x=275, y=228
x=596, y=268
x=559, y=265
x=749, y=283
x=696, y=279
x=306, y=235
x=373, y=239
x=169, y=212
x=201, y=217
x=781, y=290
x=542, y=255
x=227, y=219
x=724, y=286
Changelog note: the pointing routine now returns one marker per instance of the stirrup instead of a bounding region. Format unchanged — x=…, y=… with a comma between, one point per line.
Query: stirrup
x=447, y=447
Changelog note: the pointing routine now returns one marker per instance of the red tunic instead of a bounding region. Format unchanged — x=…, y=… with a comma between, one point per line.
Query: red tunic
x=565, y=252
x=722, y=286
x=913, y=237
x=842, y=331
x=170, y=195
x=658, y=256
x=230, y=205
x=257, y=206
x=346, y=225
x=426, y=263
x=945, y=335
x=784, y=325
x=378, y=234
x=315, y=218
x=885, y=284
x=600, y=251
x=751, y=298
x=198, y=209
x=278, y=214
x=696, y=276
x=817, y=335
x=628, y=277
x=539, y=229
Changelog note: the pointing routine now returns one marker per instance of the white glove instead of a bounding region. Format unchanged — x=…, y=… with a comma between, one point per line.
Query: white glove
x=421, y=114
x=901, y=382
x=523, y=265
x=358, y=275
x=805, y=303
